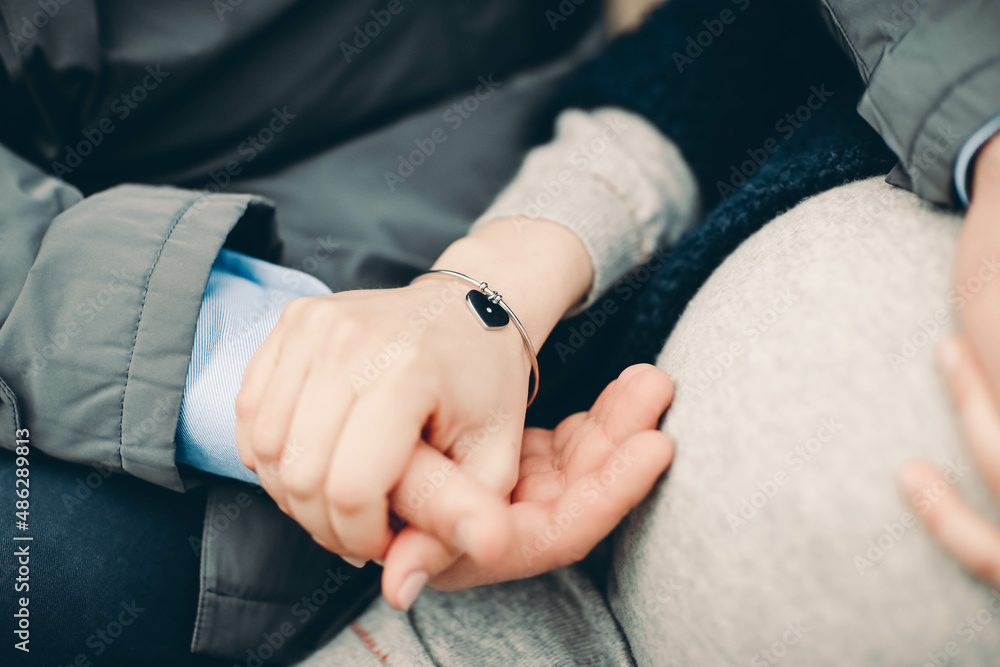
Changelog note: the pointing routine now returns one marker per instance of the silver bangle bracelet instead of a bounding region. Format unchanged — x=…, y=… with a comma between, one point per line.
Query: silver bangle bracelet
x=480, y=301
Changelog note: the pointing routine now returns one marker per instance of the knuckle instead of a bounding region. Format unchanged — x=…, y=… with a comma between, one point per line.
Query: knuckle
x=270, y=472
x=246, y=458
x=347, y=497
x=246, y=406
x=295, y=308
x=343, y=334
x=267, y=442
x=300, y=483
x=321, y=316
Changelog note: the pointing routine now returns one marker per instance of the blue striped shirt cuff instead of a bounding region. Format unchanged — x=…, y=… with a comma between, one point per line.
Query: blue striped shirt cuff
x=243, y=299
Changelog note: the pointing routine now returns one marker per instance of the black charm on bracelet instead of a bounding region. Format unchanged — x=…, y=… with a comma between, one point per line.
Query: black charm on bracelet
x=486, y=309
x=492, y=312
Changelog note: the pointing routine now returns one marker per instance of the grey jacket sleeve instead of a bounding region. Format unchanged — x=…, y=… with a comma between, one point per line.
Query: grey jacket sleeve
x=932, y=70
x=99, y=297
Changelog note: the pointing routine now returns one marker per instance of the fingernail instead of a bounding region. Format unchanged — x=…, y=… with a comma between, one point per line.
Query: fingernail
x=465, y=531
x=949, y=356
x=411, y=588
x=356, y=562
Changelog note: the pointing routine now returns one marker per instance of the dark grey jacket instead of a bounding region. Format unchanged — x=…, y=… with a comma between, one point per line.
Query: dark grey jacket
x=101, y=283
x=932, y=71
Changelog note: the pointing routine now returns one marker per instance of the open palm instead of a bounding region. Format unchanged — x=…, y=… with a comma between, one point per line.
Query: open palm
x=575, y=483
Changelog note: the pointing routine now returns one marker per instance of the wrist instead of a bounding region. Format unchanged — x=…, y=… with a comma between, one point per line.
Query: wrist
x=541, y=268
x=986, y=175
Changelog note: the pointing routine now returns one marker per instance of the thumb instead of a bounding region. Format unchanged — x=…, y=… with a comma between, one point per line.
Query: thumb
x=414, y=558
x=448, y=513
x=556, y=532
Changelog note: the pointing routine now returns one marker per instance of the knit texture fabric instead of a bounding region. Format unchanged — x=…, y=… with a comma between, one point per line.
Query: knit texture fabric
x=764, y=115
x=612, y=179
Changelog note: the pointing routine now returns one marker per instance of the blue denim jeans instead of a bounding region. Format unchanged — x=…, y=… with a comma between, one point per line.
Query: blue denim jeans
x=112, y=578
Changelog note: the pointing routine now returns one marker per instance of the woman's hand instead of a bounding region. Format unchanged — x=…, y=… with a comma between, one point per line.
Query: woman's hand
x=336, y=400
x=335, y=405
x=574, y=486
x=969, y=537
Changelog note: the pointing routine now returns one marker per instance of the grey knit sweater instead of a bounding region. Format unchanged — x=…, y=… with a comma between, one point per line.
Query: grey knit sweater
x=611, y=178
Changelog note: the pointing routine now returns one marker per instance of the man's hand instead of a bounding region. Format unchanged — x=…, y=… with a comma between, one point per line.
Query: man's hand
x=973, y=540
x=971, y=365
x=977, y=276
x=575, y=484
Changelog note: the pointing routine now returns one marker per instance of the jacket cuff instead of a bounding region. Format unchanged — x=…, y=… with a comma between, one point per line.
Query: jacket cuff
x=612, y=179
x=927, y=107
x=97, y=347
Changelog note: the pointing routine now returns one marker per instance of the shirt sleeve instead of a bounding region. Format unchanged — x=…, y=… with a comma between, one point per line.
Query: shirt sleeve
x=963, y=163
x=243, y=299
